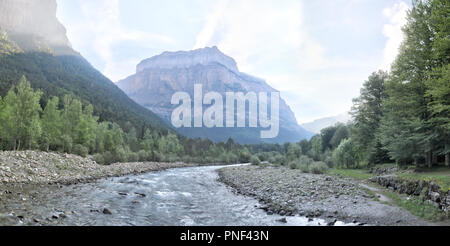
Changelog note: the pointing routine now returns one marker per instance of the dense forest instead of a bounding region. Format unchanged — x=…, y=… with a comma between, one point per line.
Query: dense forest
x=66, y=125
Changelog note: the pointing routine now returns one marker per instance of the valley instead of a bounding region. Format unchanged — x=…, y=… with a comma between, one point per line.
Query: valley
x=189, y=139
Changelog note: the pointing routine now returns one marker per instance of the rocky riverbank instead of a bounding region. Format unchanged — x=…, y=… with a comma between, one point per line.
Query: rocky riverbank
x=290, y=192
x=32, y=167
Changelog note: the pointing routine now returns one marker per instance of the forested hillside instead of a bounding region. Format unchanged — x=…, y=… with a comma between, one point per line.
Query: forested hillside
x=57, y=76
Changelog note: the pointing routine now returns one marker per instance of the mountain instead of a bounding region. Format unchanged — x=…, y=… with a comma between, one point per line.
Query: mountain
x=34, y=43
x=159, y=77
x=317, y=125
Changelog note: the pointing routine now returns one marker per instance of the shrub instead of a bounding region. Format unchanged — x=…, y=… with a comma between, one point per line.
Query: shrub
x=156, y=156
x=143, y=156
x=108, y=158
x=99, y=159
x=120, y=155
x=318, y=167
x=305, y=160
x=293, y=165
x=329, y=161
x=80, y=150
x=245, y=157
x=304, y=168
x=67, y=143
x=347, y=154
x=255, y=160
x=133, y=157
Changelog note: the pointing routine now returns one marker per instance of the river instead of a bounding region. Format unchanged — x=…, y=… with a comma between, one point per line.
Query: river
x=175, y=197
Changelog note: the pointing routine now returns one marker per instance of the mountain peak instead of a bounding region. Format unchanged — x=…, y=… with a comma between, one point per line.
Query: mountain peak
x=34, y=25
x=185, y=59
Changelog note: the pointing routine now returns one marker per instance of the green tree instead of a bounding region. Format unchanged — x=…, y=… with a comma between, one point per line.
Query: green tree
x=22, y=115
x=367, y=112
x=342, y=132
x=437, y=86
x=52, y=124
x=405, y=133
x=294, y=152
x=347, y=154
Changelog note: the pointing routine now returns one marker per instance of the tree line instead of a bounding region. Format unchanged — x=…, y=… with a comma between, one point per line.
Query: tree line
x=402, y=116
x=66, y=125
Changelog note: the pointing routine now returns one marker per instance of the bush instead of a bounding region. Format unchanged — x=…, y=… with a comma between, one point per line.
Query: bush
x=293, y=165
x=305, y=160
x=120, y=155
x=67, y=143
x=99, y=159
x=143, y=156
x=318, y=167
x=304, y=168
x=329, y=161
x=347, y=154
x=133, y=157
x=80, y=150
x=156, y=156
x=245, y=156
x=255, y=160
x=108, y=158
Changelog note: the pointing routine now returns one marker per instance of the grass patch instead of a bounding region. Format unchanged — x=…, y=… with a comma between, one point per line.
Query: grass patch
x=359, y=174
x=416, y=206
x=441, y=176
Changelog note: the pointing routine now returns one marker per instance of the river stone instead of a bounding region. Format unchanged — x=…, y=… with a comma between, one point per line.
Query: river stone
x=435, y=197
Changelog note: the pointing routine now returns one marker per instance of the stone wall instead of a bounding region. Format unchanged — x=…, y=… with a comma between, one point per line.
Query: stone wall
x=427, y=190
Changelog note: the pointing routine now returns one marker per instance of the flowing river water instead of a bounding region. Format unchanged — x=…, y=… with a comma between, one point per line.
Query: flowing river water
x=175, y=197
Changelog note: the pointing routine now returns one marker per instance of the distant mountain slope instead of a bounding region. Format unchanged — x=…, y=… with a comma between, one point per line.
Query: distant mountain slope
x=159, y=77
x=317, y=125
x=33, y=43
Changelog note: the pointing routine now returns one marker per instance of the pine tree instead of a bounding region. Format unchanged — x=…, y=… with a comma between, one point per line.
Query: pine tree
x=404, y=130
x=438, y=84
x=367, y=112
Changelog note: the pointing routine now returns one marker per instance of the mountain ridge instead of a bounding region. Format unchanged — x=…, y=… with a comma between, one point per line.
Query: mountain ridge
x=317, y=125
x=34, y=43
x=163, y=75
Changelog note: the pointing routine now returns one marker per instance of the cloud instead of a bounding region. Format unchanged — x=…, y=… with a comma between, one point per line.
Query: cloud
x=255, y=32
x=396, y=16
x=101, y=31
x=317, y=53
x=274, y=42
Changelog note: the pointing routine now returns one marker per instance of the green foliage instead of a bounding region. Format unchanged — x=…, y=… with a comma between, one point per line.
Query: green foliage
x=80, y=150
x=367, y=113
x=414, y=126
x=347, y=155
x=20, y=121
x=318, y=167
x=254, y=160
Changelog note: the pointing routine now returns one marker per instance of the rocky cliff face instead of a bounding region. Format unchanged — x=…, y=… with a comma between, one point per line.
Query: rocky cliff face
x=33, y=25
x=186, y=59
x=159, y=77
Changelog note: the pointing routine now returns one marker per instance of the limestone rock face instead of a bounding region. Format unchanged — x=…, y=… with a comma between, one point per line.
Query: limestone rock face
x=33, y=25
x=159, y=77
x=183, y=59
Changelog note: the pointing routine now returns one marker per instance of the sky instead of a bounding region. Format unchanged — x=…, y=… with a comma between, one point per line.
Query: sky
x=316, y=53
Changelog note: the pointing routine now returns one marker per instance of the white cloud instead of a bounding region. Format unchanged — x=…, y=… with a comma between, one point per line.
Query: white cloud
x=396, y=16
x=257, y=31
x=100, y=30
x=273, y=42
